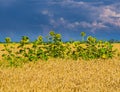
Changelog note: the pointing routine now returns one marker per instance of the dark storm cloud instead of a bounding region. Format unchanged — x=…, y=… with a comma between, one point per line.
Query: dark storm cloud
x=34, y=17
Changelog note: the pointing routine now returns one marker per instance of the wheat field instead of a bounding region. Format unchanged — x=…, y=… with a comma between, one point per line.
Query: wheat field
x=62, y=75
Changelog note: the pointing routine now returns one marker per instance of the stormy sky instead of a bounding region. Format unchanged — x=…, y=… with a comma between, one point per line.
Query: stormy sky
x=99, y=18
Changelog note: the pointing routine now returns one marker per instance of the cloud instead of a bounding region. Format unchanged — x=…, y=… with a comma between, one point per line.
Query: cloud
x=71, y=15
x=69, y=3
x=73, y=3
x=110, y=15
x=76, y=7
x=47, y=12
x=66, y=24
x=7, y=3
x=92, y=16
x=107, y=14
x=76, y=4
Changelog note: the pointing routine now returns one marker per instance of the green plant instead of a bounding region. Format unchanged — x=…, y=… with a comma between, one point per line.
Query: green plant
x=7, y=39
x=9, y=54
x=83, y=34
x=55, y=48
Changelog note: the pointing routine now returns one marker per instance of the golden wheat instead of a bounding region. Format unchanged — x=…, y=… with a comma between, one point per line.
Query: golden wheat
x=57, y=75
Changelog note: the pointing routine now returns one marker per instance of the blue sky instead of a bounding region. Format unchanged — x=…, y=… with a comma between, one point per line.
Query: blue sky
x=99, y=18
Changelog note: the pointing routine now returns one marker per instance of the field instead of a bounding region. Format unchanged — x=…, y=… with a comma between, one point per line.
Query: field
x=55, y=66
x=63, y=75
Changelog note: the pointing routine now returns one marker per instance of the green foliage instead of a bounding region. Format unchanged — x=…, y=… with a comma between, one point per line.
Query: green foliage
x=55, y=48
x=10, y=55
x=7, y=39
x=24, y=40
x=83, y=34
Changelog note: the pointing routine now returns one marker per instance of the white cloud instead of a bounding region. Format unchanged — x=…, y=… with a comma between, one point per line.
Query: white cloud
x=77, y=24
x=85, y=24
x=72, y=2
x=110, y=15
x=98, y=25
x=107, y=14
x=98, y=13
x=58, y=22
x=47, y=12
